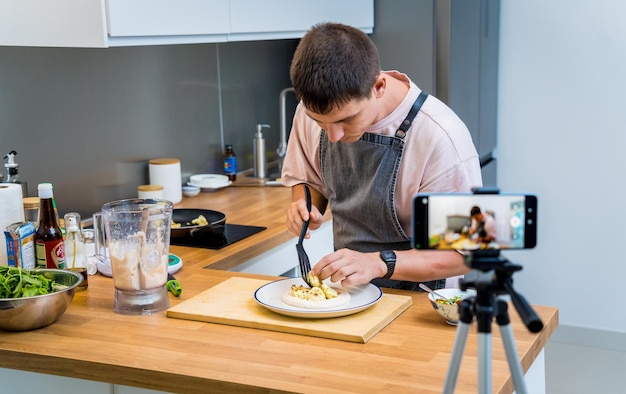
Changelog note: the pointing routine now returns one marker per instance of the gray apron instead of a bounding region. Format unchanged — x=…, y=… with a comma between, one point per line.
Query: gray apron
x=361, y=181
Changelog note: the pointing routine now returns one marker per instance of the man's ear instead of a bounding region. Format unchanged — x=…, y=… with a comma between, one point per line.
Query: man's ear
x=379, y=85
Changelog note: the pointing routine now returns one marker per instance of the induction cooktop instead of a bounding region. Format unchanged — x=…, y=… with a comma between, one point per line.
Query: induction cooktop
x=232, y=233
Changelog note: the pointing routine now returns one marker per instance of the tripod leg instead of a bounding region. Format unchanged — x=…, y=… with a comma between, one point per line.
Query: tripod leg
x=484, y=363
x=502, y=318
x=466, y=315
x=457, y=354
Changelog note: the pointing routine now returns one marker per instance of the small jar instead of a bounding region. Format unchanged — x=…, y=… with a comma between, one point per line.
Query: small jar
x=31, y=209
x=90, y=251
x=150, y=191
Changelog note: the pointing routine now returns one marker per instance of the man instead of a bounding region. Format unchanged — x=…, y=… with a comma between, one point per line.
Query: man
x=483, y=228
x=366, y=141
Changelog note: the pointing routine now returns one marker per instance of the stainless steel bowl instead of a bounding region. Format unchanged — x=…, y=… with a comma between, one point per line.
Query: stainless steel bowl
x=29, y=313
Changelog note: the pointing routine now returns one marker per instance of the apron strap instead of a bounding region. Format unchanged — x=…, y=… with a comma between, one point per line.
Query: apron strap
x=406, y=123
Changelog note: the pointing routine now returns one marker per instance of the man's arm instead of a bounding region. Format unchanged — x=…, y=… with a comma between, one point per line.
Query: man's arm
x=317, y=199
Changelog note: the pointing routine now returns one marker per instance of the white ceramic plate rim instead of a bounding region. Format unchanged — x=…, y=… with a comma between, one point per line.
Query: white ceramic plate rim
x=212, y=187
x=361, y=298
x=208, y=180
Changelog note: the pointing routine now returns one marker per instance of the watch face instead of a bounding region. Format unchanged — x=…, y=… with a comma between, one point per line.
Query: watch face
x=388, y=255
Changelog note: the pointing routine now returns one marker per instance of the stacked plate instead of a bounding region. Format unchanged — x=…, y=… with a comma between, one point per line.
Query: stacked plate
x=209, y=182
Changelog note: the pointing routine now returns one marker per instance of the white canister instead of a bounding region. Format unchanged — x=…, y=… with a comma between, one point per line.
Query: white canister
x=150, y=191
x=167, y=173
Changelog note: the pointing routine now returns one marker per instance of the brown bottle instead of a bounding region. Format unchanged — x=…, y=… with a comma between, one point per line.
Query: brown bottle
x=230, y=163
x=49, y=248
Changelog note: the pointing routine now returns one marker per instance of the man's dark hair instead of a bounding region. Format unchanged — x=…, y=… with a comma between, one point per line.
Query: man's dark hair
x=334, y=64
x=475, y=211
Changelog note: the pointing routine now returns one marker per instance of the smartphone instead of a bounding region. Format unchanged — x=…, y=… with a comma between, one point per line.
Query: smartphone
x=467, y=222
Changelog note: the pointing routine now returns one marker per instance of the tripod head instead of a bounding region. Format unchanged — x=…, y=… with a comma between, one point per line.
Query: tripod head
x=493, y=275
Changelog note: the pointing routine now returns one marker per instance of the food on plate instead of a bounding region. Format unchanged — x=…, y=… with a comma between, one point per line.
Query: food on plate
x=199, y=221
x=449, y=301
x=329, y=292
x=318, y=296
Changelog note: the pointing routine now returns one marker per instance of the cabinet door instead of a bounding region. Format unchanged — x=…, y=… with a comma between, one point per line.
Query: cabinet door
x=137, y=18
x=283, y=259
x=46, y=23
x=15, y=381
x=291, y=19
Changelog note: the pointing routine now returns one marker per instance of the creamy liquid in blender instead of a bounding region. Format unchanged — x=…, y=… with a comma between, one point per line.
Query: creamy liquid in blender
x=136, y=264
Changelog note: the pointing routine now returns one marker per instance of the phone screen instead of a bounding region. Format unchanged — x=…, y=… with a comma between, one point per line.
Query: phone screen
x=474, y=221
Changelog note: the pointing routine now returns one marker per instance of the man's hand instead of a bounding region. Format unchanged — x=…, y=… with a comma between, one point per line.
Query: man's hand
x=297, y=213
x=350, y=267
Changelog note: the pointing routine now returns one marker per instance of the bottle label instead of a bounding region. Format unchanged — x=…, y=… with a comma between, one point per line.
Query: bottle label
x=230, y=165
x=50, y=254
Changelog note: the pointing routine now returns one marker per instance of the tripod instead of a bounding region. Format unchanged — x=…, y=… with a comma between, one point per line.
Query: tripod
x=492, y=277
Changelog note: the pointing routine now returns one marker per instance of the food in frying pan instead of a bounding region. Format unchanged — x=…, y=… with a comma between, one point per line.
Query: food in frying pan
x=199, y=221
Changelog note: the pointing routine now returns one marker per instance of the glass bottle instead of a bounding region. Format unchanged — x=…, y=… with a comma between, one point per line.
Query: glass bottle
x=49, y=247
x=12, y=175
x=91, y=260
x=230, y=163
x=31, y=209
x=75, y=257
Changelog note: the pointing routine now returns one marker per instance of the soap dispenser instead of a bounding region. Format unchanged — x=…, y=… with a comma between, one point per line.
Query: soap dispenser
x=12, y=175
x=259, y=152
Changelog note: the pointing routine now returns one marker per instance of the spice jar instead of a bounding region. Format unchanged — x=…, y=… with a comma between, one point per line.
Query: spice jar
x=31, y=209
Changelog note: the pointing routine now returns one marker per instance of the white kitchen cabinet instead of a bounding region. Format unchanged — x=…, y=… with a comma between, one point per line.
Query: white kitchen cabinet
x=291, y=19
x=283, y=259
x=138, y=22
x=24, y=382
x=110, y=23
x=47, y=23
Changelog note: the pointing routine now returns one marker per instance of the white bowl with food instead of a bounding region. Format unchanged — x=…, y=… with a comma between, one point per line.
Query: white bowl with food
x=449, y=306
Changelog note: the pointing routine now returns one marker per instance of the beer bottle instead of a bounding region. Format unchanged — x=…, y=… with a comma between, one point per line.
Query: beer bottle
x=49, y=248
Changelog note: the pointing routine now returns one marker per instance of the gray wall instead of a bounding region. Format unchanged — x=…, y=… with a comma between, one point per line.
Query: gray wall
x=88, y=120
x=405, y=35
x=566, y=147
x=449, y=48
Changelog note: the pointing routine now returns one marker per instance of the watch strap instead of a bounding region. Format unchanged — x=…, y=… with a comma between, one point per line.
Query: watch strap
x=389, y=257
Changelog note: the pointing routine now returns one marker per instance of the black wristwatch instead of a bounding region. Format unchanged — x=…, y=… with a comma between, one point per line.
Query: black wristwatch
x=389, y=257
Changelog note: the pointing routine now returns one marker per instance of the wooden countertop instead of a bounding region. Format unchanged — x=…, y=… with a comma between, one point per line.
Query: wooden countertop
x=411, y=354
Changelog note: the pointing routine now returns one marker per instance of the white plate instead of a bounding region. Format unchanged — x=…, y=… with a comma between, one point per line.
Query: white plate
x=361, y=297
x=209, y=181
x=210, y=188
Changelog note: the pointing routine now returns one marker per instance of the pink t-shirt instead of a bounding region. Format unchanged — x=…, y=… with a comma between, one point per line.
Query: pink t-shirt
x=439, y=155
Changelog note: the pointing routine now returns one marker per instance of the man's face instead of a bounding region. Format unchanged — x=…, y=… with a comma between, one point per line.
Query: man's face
x=349, y=122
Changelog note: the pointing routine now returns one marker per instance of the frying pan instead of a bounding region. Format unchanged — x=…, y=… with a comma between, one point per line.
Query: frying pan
x=217, y=221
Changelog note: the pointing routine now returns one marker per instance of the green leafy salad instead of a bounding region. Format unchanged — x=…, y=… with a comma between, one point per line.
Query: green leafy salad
x=18, y=283
x=450, y=301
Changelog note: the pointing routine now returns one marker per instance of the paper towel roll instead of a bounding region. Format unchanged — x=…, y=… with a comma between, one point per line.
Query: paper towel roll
x=11, y=211
x=167, y=173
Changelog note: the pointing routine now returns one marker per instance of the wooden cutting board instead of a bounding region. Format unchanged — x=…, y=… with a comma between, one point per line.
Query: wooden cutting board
x=232, y=302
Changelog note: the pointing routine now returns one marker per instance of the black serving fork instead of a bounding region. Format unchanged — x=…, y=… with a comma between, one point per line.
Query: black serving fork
x=305, y=265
